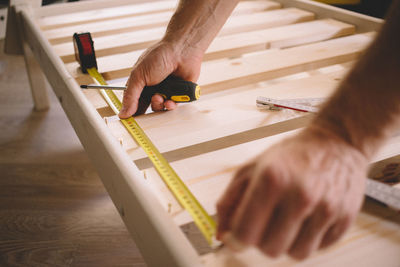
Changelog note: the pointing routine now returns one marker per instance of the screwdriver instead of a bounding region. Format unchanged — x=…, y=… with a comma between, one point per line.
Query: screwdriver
x=172, y=88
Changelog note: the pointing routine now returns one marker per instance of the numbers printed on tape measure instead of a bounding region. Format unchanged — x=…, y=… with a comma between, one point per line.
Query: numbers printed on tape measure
x=186, y=199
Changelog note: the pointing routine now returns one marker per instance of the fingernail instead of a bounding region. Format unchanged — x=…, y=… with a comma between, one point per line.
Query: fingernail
x=232, y=243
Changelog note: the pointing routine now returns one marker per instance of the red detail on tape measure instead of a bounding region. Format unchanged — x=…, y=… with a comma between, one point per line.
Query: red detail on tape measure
x=86, y=44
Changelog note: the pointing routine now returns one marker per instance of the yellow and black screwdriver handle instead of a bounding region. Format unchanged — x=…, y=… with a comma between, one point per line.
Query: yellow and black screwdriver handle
x=172, y=88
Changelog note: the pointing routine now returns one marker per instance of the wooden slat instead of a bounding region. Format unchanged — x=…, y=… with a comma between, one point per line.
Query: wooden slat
x=262, y=66
x=96, y=15
x=57, y=36
x=222, y=46
x=228, y=115
x=263, y=20
x=372, y=241
x=115, y=43
x=364, y=23
x=279, y=37
x=233, y=45
x=123, y=11
x=129, y=24
x=207, y=175
x=268, y=65
x=64, y=7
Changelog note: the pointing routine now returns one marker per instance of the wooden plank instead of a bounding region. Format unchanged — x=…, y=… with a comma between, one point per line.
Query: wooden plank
x=63, y=8
x=123, y=11
x=372, y=241
x=116, y=66
x=143, y=216
x=207, y=175
x=233, y=25
x=253, y=68
x=268, y=65
x=57, y=36
x=263, y=20
x=233, y=116
x=363, y=23
x=279, y=37
x=96, y=15
x=222, y=46
x=115, y=43
x=37, y=80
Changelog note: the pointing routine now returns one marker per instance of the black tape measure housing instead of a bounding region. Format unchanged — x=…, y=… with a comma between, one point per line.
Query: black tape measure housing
x=84, y=51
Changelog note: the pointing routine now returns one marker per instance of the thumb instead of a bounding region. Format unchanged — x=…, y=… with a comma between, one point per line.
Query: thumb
x=132, y=93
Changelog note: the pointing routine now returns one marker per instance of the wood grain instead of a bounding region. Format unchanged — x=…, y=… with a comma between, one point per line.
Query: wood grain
x=54, y=210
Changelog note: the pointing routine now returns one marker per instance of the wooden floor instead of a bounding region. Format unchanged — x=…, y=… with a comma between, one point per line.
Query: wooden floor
x=54, y=211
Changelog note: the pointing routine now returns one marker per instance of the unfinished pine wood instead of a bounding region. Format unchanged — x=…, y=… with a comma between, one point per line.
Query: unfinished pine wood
x=278, y=37
x=122, y=25
x=234, y=45
x=255, y=40
x=364, y=23
x=207, y=140
x=123, y=11
x=207, y=175
x=370, y=242
x=60, y=35
x=37, y=80
x=263, y=65
x=268, y=65
x=227, y=115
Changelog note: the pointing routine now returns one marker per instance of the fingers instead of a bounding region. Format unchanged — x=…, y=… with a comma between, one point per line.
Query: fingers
x=313, y=230
x=133, y=103
x=336, y=231
x=130, y=101
x=248, y=224
x=286, y=222
x=230, y=199
x=158, y=103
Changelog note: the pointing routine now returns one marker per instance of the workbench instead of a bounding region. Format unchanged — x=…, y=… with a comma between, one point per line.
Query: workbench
x=281, y=49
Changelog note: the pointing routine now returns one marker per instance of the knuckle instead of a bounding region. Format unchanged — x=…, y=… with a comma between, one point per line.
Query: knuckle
x=328, y=209
x=305, y=198
x=273, y=179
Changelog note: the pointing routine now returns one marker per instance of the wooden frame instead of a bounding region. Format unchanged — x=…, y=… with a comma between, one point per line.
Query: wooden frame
x=150, y=214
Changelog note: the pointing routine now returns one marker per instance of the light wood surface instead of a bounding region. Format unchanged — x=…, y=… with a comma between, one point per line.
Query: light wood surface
x=283, y=53
x=222, y=47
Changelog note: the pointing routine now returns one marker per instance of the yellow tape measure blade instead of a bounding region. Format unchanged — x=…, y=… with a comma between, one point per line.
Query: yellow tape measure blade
x=181, y=192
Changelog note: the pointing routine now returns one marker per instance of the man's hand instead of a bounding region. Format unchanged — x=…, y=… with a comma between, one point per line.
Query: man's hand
x=153, y=67
x=190, y=31
x=296, y=197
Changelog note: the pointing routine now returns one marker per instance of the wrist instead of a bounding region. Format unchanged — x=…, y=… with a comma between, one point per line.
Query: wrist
x=330, y=137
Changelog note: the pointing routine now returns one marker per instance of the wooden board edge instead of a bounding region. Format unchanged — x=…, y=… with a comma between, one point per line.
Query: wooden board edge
x=143, y=215
x=62, y=8
x=363, y=23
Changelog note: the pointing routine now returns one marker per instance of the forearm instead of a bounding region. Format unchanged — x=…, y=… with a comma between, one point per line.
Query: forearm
x=365, y=109
x=196, y=22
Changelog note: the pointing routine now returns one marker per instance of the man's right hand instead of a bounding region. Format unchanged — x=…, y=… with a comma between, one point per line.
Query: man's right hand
x=159, y=61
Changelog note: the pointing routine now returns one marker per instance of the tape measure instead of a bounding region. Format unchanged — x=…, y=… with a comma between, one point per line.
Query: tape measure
x=84, y=51
x=301, y=104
